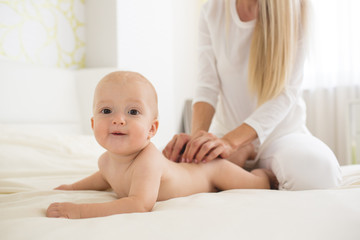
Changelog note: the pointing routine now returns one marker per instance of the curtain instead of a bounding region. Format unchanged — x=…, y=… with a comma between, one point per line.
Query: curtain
x=332, y=74
x=334, y=54
x=329, y=119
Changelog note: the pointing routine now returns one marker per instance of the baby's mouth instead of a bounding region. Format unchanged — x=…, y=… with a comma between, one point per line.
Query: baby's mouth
x=118, y=133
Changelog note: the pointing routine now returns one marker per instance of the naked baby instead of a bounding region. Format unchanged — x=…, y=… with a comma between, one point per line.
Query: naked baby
x=125, y=118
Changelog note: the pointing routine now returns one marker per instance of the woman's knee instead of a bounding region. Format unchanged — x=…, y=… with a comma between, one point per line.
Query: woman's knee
x=307, y=173
x=304, y=163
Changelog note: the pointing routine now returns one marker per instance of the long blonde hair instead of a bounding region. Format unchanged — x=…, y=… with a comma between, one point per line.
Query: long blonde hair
x=274, y=45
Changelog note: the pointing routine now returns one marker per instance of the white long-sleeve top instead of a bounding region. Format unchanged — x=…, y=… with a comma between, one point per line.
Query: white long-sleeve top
x=224, y=47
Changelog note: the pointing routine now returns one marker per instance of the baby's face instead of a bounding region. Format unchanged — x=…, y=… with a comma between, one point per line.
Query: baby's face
x=123, y=120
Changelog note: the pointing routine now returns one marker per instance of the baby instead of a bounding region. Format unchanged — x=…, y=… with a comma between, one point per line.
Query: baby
x=125, y=119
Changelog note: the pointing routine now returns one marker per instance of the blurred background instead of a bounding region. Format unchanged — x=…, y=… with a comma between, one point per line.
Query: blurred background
x=158, y=38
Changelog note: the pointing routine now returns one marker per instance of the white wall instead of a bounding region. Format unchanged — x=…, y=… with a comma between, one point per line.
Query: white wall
x=100, y=33
x=185, y=17
x=157, y=38
x=145, y=33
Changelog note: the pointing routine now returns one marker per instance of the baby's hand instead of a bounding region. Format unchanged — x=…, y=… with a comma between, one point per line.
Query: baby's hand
x=63, y=210
x=65, y=187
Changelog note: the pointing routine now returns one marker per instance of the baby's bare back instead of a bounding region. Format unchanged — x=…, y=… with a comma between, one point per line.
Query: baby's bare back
x=183, y=179
x=177, y=179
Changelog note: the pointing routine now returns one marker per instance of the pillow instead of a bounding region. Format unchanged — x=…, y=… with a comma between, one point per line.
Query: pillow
x=30, y=151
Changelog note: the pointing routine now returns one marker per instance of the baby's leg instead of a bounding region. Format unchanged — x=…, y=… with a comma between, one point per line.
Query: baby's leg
x=226, y=175
x=274, y=183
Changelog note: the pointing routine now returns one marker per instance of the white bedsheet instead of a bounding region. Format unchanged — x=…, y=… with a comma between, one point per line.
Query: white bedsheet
x=33, y=163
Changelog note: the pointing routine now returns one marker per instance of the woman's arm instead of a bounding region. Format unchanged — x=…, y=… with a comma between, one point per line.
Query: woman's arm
x=239, y=137
x=202, y=116
x=269, y=115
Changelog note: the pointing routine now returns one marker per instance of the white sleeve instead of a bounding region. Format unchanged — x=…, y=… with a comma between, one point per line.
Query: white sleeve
x=267, y=117
x=208, y=83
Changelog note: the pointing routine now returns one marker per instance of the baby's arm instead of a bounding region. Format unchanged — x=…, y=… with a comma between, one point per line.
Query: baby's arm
x=93, y=182
x=142, y=197
x=144, y=189
x=74, y=211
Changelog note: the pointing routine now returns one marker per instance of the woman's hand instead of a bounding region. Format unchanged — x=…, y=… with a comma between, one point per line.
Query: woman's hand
x=175, y=147
x=204, y=147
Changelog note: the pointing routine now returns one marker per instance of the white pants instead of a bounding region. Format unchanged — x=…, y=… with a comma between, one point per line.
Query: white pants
x=301, y=161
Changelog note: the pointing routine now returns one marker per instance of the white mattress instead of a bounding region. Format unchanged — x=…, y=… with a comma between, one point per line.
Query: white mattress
x=32, y=163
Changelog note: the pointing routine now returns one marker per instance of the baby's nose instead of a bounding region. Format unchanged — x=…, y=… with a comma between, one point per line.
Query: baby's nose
x=119, y=120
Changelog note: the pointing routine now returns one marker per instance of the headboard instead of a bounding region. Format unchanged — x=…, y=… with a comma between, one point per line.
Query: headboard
x=47, y=98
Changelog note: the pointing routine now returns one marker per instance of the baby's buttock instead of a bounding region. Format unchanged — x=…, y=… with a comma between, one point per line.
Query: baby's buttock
x=186, y=179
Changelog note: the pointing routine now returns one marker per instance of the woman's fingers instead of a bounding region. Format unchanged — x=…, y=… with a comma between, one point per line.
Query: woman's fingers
x=192, y=149
x=212, y=149
x=196, y=144
x=168, y=149
x=178, y=145
x=209, y=151
x=202, y=147
x=175, y=147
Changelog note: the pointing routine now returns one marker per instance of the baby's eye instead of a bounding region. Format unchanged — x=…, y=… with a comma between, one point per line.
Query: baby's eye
x=133, y=112
x=106, y=111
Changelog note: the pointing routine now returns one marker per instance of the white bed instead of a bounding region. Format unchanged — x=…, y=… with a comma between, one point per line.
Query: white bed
x=42, y=145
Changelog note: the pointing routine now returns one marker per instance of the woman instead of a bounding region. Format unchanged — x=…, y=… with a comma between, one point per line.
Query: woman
x=251, y=59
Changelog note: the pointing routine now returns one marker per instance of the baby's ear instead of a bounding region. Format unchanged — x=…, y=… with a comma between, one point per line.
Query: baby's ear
x=154, y=128
x=92, y=123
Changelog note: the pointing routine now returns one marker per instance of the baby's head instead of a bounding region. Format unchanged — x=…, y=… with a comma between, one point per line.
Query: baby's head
x=128, y=79
x=125, y=111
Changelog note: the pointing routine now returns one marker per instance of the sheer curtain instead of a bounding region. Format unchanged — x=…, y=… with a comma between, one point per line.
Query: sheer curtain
x=332, y=72
x=334, y=55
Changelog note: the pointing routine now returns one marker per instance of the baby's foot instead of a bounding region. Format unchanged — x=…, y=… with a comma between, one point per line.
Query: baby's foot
x=274, y=183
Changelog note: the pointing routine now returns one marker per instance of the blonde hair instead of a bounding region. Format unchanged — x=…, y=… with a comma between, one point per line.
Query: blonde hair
x=274, y=45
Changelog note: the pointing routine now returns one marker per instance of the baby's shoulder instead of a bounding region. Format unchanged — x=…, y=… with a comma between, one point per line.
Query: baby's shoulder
x=150, y=151
x=103, y=160
x=151, y=155
x=150, y=162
